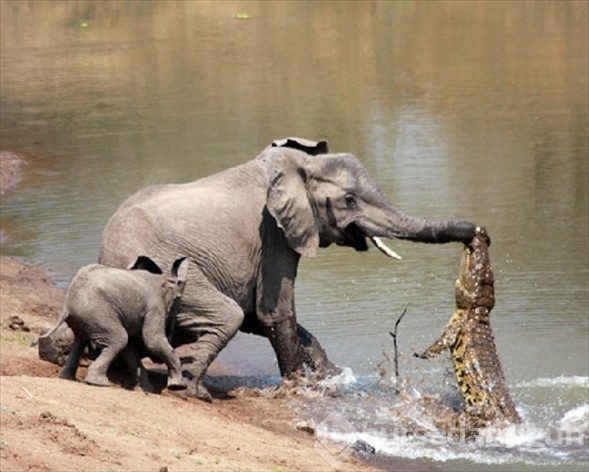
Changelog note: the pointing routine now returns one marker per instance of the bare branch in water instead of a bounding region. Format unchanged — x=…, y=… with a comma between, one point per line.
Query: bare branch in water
x=394, y=336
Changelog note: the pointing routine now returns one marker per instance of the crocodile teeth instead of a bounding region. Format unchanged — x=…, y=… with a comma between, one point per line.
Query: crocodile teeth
x=384, y=248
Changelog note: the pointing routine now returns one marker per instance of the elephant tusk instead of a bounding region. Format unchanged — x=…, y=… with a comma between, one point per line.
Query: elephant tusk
x=384, y=248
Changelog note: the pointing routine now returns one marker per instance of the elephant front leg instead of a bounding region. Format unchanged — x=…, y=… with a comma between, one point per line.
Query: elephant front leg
x=284, y=339
x=154, y=338
x=275, y=311
x=313, y=355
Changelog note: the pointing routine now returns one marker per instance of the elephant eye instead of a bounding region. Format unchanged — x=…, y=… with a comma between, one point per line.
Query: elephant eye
x=350, y=201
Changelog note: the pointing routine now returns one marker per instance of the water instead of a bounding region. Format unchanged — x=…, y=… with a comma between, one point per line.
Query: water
x=551, y=437
x=474, y=110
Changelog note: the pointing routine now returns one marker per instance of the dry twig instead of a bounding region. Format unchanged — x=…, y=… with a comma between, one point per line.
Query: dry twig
x=394, y=336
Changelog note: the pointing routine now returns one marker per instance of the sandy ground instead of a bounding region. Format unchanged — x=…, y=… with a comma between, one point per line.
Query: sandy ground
x=49, y=424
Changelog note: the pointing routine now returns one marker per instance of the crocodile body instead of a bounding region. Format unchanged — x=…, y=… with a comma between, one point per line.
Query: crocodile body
x=469, y=338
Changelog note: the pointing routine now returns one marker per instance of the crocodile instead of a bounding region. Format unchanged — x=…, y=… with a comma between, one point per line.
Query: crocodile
x=469, y=337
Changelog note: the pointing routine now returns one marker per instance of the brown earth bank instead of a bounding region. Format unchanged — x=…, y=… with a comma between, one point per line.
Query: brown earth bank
x=49, y=424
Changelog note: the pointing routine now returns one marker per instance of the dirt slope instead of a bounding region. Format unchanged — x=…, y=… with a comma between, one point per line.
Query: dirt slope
x=48, y=424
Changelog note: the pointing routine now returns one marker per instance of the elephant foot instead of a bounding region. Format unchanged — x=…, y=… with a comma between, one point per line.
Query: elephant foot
x=329, y=370
x=67, y=375
x=97, y=380
x=315, y=360
x=145, y=384
x=146, y=387
x=199, y=391
x=177, y=384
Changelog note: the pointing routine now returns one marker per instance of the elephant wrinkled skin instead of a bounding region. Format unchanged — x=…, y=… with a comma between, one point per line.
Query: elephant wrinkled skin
x=244, y=230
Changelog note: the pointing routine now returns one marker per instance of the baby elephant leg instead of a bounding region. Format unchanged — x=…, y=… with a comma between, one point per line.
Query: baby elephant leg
x=138, y=372
x=114, y=341
x=154, y=338
x=71, y=367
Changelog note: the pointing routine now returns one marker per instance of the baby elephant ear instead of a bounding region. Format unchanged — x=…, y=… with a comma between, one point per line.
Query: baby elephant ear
x=313, y=148
x=288, y=203
x=145, y=263
x=180, y=270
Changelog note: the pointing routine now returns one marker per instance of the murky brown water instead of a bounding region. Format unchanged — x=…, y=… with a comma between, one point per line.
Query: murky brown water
x=476, y=110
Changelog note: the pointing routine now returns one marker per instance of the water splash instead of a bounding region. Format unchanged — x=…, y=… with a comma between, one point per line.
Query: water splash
x=560, y=381
x=576, y=420
x=403, y=425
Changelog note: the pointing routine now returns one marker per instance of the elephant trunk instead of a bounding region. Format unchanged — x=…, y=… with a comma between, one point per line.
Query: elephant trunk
x=426, y=231
x=397, y=225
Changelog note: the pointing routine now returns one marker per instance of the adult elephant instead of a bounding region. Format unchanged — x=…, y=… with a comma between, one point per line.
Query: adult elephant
x=244, y=231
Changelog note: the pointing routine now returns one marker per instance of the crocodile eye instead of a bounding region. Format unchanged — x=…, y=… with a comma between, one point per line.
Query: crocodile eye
x=350, y=201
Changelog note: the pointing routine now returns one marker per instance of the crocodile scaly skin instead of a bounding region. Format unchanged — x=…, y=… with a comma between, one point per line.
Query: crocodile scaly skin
x=469, y=338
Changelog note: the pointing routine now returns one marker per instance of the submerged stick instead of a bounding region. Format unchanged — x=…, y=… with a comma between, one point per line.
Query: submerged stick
x=394, y=336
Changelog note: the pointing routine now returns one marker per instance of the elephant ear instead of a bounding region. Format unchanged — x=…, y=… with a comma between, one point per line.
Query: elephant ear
x=145, y=263
x=180, y=270
x=288, y=203
x=313, y=148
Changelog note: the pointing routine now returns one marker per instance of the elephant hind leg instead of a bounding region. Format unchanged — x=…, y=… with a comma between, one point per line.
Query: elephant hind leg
x=116, y=341
x=212, y=322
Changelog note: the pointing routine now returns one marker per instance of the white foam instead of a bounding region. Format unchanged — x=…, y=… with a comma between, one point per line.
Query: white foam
x=560, y=381
x=344, y=378
x=327, y=387
x=576, y=420
x=551, y=441
x=514, y=435
x=412, y=447
x=511, y=444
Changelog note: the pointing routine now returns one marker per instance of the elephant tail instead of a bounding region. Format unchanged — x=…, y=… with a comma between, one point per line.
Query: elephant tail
x=62, y=317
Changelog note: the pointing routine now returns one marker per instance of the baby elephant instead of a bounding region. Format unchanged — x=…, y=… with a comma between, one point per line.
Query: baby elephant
x=108, y=307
